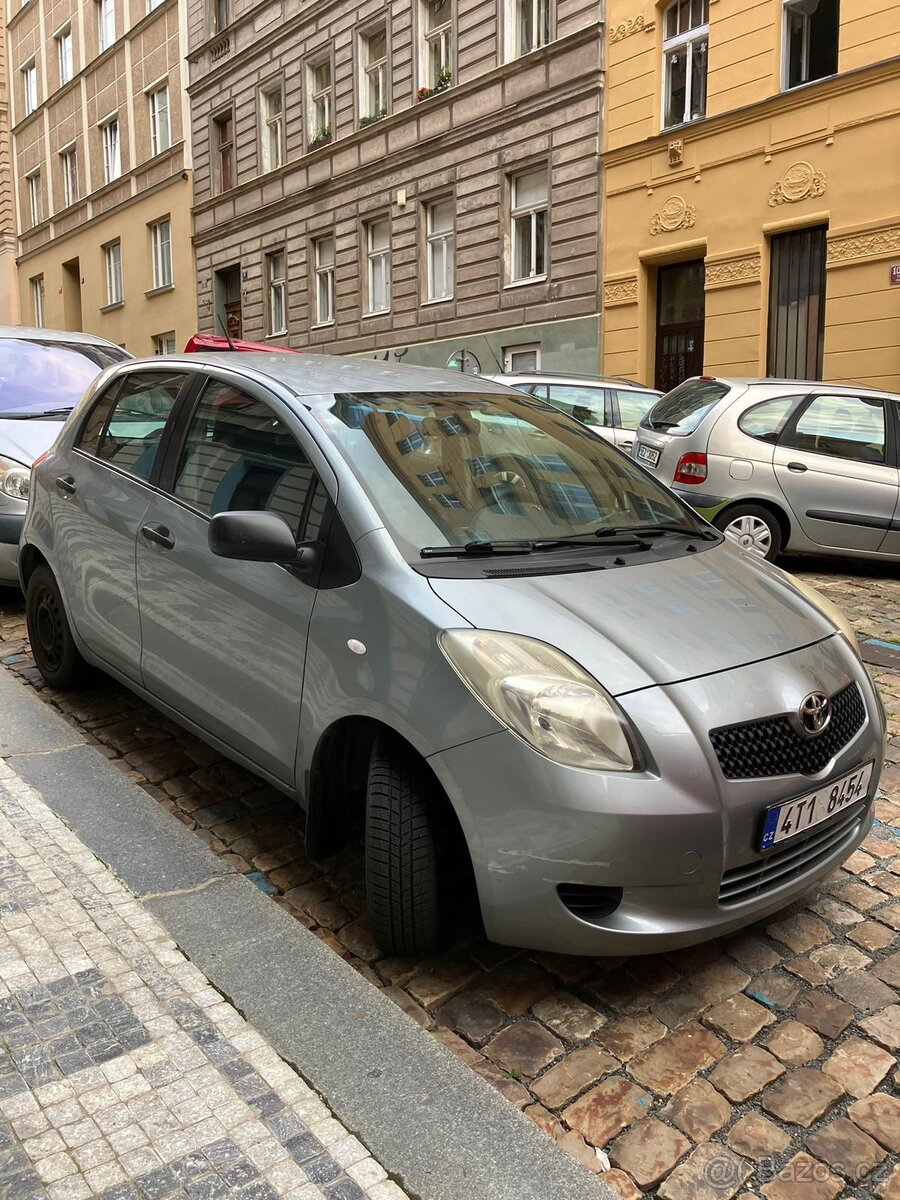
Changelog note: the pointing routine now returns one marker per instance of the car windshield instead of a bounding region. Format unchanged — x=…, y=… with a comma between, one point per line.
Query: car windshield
x=39, y=377
x=681, y=410
x=455, y=468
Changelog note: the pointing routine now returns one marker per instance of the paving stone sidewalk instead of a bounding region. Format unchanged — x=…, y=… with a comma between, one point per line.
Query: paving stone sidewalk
x=123, y=1074
x=760, y=1065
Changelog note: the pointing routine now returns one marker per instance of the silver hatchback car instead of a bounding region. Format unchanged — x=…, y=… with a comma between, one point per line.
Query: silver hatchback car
x=812, y=468
x=444, y=614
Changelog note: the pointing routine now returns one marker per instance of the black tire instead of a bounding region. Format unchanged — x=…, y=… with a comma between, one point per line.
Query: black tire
x=52, y=644
x=753, y=515
x=401, y=854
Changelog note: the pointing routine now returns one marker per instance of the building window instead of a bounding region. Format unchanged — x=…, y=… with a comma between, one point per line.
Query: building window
x=152, y=4
x=437, y=42
x=220, y=15
x=164, y=343
x=112, y=163
x=320, y=103
x=811, y=35
x=161, y=251
x=685, y=44
x=69, y=163
x=223, y=138
x=528, y=26
x=374, y=90
x=160, y=128
x=797, y=304
x=323, y=257
x=29, y=87
x=378, y=253
x=272, y=107
x=35, y=197
x=439, y=253
x=112, y=255
x=106, y=23
x=37, y=300
x=529, y=225
x=64, y=55
x=522, y=358
x=277, y=292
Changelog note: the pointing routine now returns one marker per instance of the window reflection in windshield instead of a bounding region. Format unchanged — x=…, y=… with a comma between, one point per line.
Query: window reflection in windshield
x=448, y=468
x=38, y=376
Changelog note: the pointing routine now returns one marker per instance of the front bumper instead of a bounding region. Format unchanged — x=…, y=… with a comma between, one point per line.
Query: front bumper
x=666, y=835
x=10, y=531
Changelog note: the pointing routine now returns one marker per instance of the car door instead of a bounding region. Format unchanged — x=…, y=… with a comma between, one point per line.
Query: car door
x=835, y=463
x=102, y=489
x=891, y=543
x=224, y=641
x=631, y=405
x=590, y=405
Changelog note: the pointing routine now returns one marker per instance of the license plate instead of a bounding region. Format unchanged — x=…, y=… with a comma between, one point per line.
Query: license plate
x=646, y=454
x=785, y=821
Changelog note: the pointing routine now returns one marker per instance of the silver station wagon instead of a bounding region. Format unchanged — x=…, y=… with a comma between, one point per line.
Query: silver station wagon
x=446, y=615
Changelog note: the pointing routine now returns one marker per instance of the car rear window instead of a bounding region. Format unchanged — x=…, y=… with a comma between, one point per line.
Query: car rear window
x=681, y=410
x=49, y=377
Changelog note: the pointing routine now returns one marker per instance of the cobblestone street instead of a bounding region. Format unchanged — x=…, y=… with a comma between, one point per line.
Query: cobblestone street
x=759, y=1065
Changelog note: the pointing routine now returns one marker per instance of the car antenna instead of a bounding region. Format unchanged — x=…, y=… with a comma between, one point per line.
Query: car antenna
x=231, y=345
x=500, y=366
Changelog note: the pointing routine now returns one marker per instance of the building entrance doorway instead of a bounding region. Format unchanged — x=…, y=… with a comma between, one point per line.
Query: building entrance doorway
x=71, y=277
x=797, y=304
x=227, y=301
x=680, y=316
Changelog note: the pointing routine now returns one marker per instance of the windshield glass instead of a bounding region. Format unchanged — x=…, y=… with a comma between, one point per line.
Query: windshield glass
x=449, y=469
x=38, y=377
x=681, y=410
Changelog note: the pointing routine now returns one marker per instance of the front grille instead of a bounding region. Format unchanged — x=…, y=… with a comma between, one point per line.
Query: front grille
x=764, y=749
x=795, y=859
x=589, y=902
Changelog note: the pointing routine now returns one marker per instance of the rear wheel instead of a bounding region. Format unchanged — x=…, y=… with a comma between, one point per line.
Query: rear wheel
x=401, y=854
x=754, y=528
x=52, y=644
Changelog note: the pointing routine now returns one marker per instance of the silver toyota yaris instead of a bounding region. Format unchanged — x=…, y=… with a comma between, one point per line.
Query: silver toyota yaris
x=446, y=614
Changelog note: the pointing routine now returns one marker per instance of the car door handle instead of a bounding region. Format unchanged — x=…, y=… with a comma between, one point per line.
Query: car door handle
x=799, y=468
x=66, y=484
x=159, y=535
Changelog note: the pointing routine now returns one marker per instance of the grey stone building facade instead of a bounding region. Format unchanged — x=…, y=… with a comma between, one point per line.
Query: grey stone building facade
x=412, y=178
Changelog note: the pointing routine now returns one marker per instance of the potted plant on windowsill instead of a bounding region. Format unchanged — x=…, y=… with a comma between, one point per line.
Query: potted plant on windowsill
x=444, y=80
x=322, y=138
x=372, y=118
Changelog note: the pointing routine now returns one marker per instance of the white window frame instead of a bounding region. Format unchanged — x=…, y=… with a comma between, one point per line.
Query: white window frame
x=376, y=305
x=35, y=188
x=682, y=41
x=324, y=272
x=69, y=164
x=161, y=252
x=510, y=352
x=37, y=300
x=440, y=254
x=521, y=213
x=796, y=7
x=162, y=341
x=373, y=75
x=276, y=292
x=435, y=44
x=321, y=100
x=29, y=86
x=541, y=17
x=112, y=149
x=271, y=128
x=65, y=54
x=153, y=4
x=106, y=24
x=112, y=259
x=160, y=119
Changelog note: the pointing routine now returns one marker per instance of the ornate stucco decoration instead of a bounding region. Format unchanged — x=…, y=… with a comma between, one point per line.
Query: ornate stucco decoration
x=621, y=291
x=880, y=243
x=627, y=28
x=734, y=271
x=676, y=213
x=676, y=152
x=799, y=182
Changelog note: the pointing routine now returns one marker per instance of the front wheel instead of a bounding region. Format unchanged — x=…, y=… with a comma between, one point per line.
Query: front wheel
x=754, y=528
x=52, y=644
x=401, y=854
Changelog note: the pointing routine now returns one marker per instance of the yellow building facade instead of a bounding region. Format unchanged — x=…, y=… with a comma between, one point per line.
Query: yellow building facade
x=752, y=190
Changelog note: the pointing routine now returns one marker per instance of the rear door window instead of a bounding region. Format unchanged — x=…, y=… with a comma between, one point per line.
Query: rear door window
x=585, y=404
x=633, y=405
x=133, y=427
x=765, y=421
x=850, y=427
x=681, y=410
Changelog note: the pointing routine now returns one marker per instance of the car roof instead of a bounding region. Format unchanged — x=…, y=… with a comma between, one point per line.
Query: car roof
x=27, y=333
x=849, y=389
x=324, y=374
x=571, y=376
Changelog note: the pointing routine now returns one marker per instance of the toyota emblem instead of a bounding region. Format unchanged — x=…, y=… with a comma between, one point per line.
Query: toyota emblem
x=815, y=714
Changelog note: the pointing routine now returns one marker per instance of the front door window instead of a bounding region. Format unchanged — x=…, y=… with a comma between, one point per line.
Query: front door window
x=679, y=325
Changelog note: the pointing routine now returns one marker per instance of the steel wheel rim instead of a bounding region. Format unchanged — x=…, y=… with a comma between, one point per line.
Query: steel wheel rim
x=751, y=533
x=48, y=621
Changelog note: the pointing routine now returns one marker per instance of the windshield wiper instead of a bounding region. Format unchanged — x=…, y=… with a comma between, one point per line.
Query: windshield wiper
x=478, y=548
x=705, y=535
x=34, y=416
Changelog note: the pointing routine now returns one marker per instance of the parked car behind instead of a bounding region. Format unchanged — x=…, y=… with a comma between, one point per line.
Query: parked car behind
x=611, y=407
x=780, y=465
x=43, y=374
x=443, y=612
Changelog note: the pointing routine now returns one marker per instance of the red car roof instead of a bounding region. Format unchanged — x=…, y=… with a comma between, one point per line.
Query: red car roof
x=215, y=341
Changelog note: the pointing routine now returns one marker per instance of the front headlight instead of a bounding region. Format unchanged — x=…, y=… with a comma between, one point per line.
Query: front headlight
x=829, y=609
x=14, y=479
x=543, y=696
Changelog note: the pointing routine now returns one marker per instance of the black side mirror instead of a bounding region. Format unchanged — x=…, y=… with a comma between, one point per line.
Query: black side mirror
x=254, y=537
